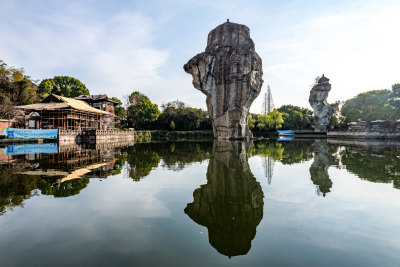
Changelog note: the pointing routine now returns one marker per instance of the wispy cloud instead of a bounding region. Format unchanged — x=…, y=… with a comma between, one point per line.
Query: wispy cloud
x=119, y=47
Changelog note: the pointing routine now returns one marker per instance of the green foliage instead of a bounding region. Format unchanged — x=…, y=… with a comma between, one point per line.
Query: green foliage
x=141, y=111
x=172, y=125
x=270, y=121
x=63, y=86
x=369, y=106
x=65, y=189
x=184, y=118
x=264, y=122
x=251, y=122
x=396, y=89
x=296, y=117
x=374, y=168
x=119, y=110
x=15, y=87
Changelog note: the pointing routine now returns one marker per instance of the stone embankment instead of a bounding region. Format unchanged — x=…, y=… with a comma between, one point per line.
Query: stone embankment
x=94, y=136
x=364, y=135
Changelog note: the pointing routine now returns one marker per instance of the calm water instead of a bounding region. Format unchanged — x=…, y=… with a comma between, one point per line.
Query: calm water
x=303, y=203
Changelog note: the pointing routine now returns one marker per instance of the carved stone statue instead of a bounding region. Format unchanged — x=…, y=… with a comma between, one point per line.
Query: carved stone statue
x=229, y=73
x=322, y=110
x=231, y=204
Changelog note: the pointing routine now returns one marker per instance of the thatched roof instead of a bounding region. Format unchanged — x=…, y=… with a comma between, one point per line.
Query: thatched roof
x=54, y=102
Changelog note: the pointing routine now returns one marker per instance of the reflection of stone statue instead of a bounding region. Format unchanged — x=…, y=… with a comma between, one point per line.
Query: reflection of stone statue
x=322, y=110
x=319, y=169
x=230, y=205
x=229, y=73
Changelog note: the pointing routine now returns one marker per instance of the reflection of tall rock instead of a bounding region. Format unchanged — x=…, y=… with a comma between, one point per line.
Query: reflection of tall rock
x=322, y=110
x=229, y=73
x=230, y=205
x=319, y=169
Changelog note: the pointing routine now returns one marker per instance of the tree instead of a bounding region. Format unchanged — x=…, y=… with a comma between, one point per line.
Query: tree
x=63, y=86
x=296, y=117
x=184, y=118
x=141, y=111
x=119, y=110
x=369, y=106
x=16, y=86
x=264, y=122
x=251, y=122
x=172, y=125
x=276, y=119
x=6, y=107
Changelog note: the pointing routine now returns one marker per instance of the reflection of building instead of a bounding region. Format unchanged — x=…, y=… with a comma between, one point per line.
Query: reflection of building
x=58, y=112
x=230, y=205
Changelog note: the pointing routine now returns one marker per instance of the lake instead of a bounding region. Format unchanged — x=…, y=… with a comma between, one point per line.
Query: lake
x=201, y=203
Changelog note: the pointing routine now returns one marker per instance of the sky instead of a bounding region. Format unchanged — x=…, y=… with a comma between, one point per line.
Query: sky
x=117, y=47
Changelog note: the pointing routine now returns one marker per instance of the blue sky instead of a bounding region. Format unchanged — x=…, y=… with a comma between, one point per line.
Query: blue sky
x=116, y=47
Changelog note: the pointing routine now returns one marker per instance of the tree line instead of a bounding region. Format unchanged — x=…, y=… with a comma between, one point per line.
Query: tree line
x=137, y=111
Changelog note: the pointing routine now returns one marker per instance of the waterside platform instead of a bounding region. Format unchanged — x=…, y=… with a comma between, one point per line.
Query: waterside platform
x=390, y=135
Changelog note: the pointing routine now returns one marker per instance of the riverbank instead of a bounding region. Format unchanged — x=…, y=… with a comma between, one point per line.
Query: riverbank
x=392, y=135
x=147, y=135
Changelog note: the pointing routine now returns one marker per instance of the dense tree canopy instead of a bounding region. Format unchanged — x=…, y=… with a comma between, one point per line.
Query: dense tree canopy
x=296, y=117
x=141, y=112
x=119, y=110
x=177, y=116
x=63, y=86
x=15, y=87
x=369, y=106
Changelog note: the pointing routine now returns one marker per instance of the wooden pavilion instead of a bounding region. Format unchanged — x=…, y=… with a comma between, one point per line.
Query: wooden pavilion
x=59, y=112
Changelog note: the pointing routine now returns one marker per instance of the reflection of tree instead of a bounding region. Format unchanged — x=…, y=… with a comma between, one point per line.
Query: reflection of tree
x=144, y=157
x=319, y=169
x=374, y=168
x=269, y=149
x=230, y=205
x=14, y=189
x=296, y=152
x=141, y=160
x=65, y=189
x=286, y=152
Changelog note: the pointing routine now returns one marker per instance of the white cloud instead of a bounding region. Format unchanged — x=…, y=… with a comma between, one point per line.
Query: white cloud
x=143, y=48
x=356, y=48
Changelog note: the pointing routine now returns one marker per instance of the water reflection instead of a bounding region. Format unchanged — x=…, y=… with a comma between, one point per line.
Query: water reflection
x=319, y=168
x=230, y=205
x=142, y=158
x=376, y=161
x=62, y=173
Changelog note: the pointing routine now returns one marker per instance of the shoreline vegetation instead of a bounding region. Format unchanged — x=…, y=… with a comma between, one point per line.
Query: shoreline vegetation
x=175, y=119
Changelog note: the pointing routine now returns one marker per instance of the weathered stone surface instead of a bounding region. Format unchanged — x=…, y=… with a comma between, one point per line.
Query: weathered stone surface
x=231, y=204
x=229, y=73
x=319, y=168
x=322, y=110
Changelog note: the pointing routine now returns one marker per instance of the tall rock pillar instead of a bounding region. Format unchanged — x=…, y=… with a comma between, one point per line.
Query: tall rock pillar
x=229, y=73
x=322, y=110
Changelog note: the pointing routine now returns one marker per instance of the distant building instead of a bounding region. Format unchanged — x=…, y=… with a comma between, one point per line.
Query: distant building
x=58, y=112
x=357, y=126
x=101, y=102
x=379, y=125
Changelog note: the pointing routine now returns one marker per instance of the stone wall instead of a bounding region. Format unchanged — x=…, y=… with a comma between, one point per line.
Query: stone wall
x=364, y=135
x=94, y=136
